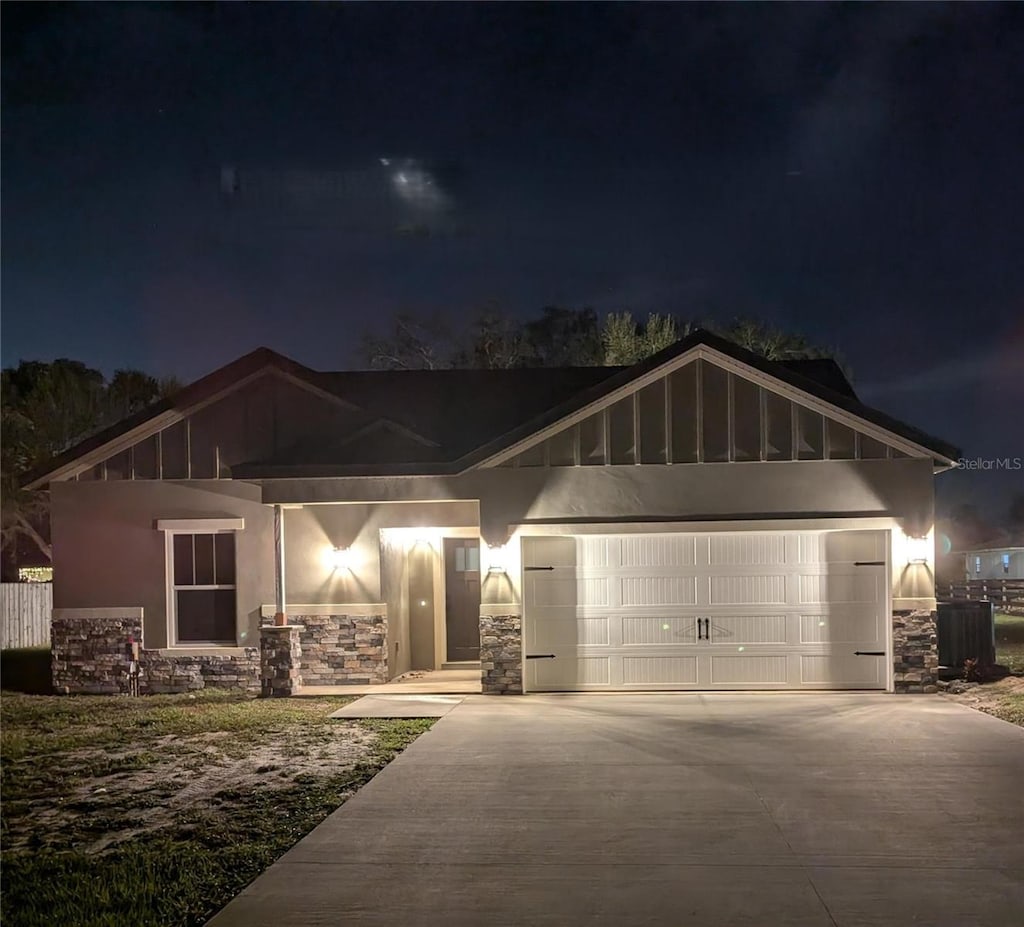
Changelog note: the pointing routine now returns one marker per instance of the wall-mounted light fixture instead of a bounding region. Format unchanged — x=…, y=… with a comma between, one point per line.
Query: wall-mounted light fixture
x=496, y=560
x=341, y=558
x=919, y=550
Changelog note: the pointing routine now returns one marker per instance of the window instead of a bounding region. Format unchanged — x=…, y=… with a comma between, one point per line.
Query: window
x=467, y=559
x=977, y=566
x=1006, y=563
x=202, y=593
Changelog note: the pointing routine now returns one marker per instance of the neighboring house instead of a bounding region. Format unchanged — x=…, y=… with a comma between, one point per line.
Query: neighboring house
x=706, y=519
x=1002, y=558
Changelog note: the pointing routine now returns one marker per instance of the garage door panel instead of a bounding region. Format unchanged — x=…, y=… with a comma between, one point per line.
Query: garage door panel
x=747, y=549
x=748, y=629
x=626, y=614
x=841, y=669
x=658, y=631
x=841, y=627
x=748, y=590
x=568, y=591
x=571, y=673
x=756, y=669
x=569, y=631
x=841, y=547
x=658, y=551
x=657, y=590
x=832, y=588
x=550, y=551
x=659, y=671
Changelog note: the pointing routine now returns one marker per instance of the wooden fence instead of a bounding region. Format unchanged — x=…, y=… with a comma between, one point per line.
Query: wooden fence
x=25, y=614
x=1003, y=593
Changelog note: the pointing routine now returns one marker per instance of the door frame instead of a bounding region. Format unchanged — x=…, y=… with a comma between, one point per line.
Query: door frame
x=885, y=524
x=440, y=607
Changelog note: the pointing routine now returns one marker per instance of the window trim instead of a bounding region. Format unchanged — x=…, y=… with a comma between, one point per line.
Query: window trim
x=171, y=527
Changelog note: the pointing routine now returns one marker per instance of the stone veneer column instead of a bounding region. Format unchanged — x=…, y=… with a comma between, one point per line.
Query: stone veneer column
x=501, y=655
x=280, y=658
x=915, y=651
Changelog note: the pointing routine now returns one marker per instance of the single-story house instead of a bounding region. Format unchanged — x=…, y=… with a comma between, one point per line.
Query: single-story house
x=704, y=520
x=1001, y=558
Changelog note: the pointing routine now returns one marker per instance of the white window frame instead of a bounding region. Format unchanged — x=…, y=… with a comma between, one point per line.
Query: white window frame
x=192, y=526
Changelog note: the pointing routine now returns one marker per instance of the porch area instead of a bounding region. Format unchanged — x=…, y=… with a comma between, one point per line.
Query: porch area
x=416, y=682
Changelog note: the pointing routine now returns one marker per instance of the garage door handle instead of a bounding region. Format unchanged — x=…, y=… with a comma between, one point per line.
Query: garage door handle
x=869, y=653
x=540, y=656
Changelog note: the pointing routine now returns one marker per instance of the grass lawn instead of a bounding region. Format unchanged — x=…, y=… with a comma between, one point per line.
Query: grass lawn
x=158, y=810
x=1010, y=641
x=1004, y=699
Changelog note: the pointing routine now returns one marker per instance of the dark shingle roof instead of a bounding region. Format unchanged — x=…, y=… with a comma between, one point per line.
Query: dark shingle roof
x=462, y=409
x=432, y=421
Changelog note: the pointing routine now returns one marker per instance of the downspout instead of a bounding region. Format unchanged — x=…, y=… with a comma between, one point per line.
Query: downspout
x=280, y=618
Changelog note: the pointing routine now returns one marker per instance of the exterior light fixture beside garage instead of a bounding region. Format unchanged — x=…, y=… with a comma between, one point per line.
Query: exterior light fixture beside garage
x=919, y=550
x=341, y=558
x=496, y=559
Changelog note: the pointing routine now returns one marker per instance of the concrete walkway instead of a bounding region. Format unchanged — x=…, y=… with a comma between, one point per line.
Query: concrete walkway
x=398, y=706
x=713, y=810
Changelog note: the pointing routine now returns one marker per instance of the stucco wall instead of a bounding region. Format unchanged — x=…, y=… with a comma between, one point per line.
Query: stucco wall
x=108, y=552
x=395, y=586
x=312, y=532
x=901, y=488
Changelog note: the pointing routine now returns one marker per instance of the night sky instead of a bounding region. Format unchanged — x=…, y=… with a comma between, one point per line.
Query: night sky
x=184, y=183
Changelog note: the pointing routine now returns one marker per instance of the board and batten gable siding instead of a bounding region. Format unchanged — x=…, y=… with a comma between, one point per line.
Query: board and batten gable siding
x=263, y=417
x=700, y=413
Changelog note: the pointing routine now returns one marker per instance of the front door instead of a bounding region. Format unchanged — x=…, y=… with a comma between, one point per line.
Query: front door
x=462, y=598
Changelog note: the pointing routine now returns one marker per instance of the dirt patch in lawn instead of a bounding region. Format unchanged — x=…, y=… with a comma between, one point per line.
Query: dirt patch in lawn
x=204, y=774
x=1004, y=699
x=157, y=810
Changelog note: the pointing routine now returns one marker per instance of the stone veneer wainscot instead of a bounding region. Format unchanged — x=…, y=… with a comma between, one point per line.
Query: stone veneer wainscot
x=342, y=645
x=501, y=654
x=915, y=651
x=91, y=652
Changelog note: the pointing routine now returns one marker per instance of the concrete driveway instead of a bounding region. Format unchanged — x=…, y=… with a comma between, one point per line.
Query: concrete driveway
x=726, y=809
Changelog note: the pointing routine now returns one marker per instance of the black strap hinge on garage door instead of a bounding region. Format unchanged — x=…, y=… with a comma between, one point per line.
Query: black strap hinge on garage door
x=540, y=656
x=869, y=653
x=869, y=563
x=525, y=569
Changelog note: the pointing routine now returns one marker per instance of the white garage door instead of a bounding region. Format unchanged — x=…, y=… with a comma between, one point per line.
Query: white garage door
x=751, y=610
